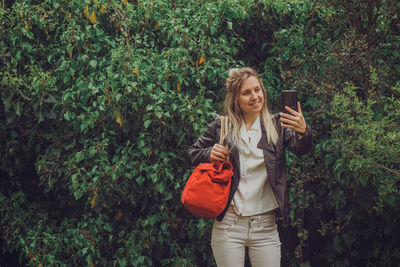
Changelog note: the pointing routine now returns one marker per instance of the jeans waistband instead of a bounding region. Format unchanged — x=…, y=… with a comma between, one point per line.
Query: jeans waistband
x=231, y=209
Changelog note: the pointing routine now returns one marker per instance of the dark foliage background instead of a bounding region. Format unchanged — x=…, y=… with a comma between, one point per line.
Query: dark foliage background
x=100, y=99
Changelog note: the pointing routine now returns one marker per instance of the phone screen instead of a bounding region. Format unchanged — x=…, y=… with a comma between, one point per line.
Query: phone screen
x=289, y=98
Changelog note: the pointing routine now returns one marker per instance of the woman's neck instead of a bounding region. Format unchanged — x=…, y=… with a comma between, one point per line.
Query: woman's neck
x=249, y=119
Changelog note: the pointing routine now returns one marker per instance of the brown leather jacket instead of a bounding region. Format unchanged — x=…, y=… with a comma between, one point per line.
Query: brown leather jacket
x=274, y=156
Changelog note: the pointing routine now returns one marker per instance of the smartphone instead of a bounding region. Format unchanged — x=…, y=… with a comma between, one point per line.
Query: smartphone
x=289, y=98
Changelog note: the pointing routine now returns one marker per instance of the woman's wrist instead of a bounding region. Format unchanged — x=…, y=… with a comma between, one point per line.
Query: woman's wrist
x=300, y=135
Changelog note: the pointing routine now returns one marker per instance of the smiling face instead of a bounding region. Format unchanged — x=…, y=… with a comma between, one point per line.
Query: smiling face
x=251, y=97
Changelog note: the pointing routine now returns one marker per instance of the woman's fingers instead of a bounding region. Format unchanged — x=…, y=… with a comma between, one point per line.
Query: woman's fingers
x=299, y=107
x=298, y=129
x=218, y=155
x=290, y=117
x=294, y=120
x=294, y=123
x=292, y=111
x=219, y=152
x=217, y=158
x=287, y=126
x=220, y=148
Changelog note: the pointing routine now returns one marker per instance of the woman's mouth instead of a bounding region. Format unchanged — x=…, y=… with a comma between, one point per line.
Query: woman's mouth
x=254, y=104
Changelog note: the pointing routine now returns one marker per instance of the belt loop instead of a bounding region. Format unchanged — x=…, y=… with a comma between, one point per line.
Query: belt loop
x=232, y=209
x=236, y=218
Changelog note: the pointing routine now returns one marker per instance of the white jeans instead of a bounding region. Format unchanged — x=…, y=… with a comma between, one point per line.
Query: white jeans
x=259, y=233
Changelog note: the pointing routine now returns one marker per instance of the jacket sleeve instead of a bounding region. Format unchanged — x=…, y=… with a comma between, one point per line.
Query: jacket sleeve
x=298, y=144
x=200, y=151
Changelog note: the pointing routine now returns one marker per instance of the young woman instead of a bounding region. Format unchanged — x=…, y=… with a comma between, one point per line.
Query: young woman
x=255, y=146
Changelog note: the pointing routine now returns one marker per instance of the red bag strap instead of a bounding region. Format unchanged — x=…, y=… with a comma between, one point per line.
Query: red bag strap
x=216, y=166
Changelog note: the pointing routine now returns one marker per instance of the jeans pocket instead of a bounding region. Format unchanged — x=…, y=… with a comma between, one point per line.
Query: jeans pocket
x=223, y=225
x=265, y=223
x=223, y=230
x=227, y=222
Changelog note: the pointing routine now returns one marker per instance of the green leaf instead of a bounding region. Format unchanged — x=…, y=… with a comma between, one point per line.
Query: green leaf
x=67, y=115
x=158, y=113
x=79, y=156
x=140, y=180
x=168, y=196
x=93, y=63
x=75, y=183
x=153, y=219
x=229, y=23
x=89, y=259
x=147, y=123
x=161, y=187
x=78, y=194
x=18, y=108
x=108, y=227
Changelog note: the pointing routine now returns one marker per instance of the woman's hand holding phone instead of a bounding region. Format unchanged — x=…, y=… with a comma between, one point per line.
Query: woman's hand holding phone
x=294, y=120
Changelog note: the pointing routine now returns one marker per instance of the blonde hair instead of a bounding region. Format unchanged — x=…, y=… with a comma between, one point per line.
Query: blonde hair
x=232, y=110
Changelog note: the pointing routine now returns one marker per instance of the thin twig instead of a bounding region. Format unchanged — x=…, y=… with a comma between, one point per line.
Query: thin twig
x=389, y=147
x=373, y=162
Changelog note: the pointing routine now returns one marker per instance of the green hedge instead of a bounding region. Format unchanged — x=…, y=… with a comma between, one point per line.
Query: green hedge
x=100, y=100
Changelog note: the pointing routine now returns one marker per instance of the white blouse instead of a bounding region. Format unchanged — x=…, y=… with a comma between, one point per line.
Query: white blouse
x=254, y=194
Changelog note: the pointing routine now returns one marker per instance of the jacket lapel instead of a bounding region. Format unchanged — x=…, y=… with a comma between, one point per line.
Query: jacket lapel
x=236, y=167
x=269, y=156
x=264, y=144
x=235, y=158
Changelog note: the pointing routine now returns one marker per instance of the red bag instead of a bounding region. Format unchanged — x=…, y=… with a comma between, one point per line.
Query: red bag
x=207, y=189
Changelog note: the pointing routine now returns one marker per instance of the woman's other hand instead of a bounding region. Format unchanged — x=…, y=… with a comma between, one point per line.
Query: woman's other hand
x=219, y=152
x=294, y=120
